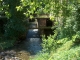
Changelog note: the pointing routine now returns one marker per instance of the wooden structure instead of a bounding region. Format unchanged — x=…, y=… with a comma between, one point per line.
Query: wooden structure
x=43, y=23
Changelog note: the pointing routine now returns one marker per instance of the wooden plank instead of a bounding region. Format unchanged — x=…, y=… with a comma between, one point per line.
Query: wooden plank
x=40, y=28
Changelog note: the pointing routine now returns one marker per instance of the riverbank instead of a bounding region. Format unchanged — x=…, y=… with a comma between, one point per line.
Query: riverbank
x=14, y=55
x=17, y=52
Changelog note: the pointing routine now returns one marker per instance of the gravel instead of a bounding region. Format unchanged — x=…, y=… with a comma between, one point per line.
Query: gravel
x=9, y=55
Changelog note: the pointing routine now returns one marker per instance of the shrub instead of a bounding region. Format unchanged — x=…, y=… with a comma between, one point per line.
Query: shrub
x=49, y=44
x=41, y=56
x=72, y=54
x=6, y=43
x=76, y=38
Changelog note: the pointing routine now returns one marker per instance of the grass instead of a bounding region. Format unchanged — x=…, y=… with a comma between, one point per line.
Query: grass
x=72, y=54
x=66, y=46
x=66, y=52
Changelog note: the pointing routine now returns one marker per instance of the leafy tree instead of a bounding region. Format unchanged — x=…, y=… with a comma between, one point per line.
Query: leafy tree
x=15, y=26
x=64, y=13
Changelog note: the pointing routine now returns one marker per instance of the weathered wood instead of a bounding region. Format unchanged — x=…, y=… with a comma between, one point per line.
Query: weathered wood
x=40, y=28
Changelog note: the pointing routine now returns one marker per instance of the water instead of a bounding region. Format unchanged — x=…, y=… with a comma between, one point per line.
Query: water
x=33, y=41
x=32, y=45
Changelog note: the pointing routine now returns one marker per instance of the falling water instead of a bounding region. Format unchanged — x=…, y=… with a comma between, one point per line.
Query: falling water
x=33, y=41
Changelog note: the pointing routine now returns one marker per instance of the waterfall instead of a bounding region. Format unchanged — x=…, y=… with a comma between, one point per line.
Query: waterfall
x=33, y=41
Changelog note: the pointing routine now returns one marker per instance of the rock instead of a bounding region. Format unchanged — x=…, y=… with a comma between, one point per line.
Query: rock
x=7, y=57
x=16, y=58
x=2, y=53
x=13, y=55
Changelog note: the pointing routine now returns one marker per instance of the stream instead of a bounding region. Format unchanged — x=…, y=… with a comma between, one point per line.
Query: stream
x=23, y=51
x=33, y=41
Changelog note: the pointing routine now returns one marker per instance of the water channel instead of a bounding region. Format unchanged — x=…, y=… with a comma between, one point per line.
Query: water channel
x=26, y=49
x=33, y=41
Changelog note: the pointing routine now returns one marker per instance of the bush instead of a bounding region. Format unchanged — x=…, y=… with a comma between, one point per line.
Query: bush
x=72, y=54
x=76, y=38
x=68, y=53
x=41, y=56
x=6, y=43
x=49, y=44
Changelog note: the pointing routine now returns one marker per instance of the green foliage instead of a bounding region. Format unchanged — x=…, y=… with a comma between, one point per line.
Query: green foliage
x=66, y=52
x=76, y=38
x=66, y=39
x=6, y=43
x=41, y=56
x=71, y=54
x=12, y=27
x=49, y=44
x=15, y=25
x=66, y=46
x=66, y=16
x=1, y=7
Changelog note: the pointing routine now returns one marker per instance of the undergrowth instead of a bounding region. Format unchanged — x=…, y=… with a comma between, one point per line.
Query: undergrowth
x=66, y=51
x=6, y=43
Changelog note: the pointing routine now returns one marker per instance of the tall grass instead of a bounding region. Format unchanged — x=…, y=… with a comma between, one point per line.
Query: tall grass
x=66, y=52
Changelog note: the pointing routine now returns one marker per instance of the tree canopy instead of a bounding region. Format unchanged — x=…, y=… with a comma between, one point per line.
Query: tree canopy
x=64, y=13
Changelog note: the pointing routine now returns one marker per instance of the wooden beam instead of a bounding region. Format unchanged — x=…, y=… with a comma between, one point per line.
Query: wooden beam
x=40, y=28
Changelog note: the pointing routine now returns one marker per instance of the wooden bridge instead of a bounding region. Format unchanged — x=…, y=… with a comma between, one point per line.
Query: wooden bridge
x=43, y=24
